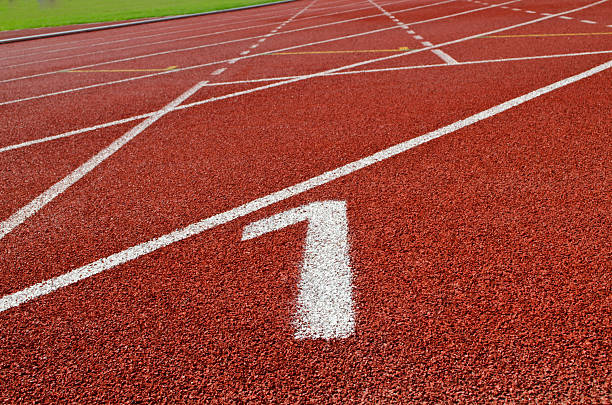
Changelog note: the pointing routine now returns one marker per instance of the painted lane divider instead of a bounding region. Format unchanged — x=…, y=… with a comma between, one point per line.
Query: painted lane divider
x=400, y=49
x=122, y=70
x=325, y=307
x=549, y=35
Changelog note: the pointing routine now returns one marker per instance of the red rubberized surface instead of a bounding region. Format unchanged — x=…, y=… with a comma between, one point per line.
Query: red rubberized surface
x=481, y=260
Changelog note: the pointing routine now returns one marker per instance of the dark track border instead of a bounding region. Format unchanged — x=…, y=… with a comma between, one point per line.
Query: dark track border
x=131, y=23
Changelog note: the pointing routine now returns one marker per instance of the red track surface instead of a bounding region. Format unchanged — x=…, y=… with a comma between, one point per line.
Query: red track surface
x=481, y=260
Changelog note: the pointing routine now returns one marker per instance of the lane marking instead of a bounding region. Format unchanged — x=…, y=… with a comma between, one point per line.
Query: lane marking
x=445, y=57
x=223, y=43
x=134, y=252
x=401, y=49
x=243, y=57
x=588, y=21
x=325, y=290
x=58, y=188
x=122, y=70
x=276, y=79
x=218, y=71
x=549, y=35
x=566, y=17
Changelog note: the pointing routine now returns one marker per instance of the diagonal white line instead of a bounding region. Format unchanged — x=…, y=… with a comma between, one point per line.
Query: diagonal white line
x=58, y=188
x=81, y=273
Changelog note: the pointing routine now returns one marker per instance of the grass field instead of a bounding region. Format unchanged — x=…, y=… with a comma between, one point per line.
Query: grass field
x=17, y=14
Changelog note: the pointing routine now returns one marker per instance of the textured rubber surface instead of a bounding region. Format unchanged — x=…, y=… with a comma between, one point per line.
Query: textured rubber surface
x=480, y=260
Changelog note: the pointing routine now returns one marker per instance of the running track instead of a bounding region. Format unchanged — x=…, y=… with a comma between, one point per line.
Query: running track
x=320, y=201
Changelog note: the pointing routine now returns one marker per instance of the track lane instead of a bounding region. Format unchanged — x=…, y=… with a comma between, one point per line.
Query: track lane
x=176, y=171
x=478, y=256
x=444, y=313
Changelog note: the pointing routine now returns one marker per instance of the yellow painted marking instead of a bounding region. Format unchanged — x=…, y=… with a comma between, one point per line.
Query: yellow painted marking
x=348, y=51
x=121, y=70
x=549, y=35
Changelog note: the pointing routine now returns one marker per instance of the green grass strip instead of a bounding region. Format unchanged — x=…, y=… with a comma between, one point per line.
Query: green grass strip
x=18, y=14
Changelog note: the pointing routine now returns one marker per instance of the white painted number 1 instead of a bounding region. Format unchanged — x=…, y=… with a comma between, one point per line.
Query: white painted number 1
x=325, y=298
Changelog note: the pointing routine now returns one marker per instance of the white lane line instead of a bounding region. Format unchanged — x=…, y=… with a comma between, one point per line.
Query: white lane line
x=231, y=62
x=245, y=52
x=566, y=17
x=134, y=252
x=254, y=46
x=131, y=58
x=546, y=13
x=445, y=57
x=325, y=290
x=218, y=71
x=588, y=22
x=427, y=43
x=277, y=79
x=58, y=188
x=244, y=57
x=418, y=37
x=530, y=12
x=75, y=132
